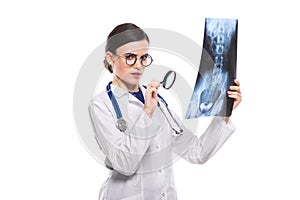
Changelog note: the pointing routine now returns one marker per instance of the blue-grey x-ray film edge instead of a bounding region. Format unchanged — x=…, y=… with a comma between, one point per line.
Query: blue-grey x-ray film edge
x=217, y=70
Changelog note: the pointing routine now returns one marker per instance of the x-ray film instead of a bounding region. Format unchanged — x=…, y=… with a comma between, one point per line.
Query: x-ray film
x=217, y=70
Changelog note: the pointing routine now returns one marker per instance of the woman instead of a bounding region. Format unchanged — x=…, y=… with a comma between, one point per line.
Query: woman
x=135, y=129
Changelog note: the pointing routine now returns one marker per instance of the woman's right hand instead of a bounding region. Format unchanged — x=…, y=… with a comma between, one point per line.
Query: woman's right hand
x=151, y=97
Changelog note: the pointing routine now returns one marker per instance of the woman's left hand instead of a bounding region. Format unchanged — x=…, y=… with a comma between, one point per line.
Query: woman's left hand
x=235, y=93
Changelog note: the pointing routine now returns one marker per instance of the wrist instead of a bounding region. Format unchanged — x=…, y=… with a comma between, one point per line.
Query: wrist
x=226, y=119
x=148, y=111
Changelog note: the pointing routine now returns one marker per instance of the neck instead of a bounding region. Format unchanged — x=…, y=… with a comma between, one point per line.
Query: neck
x=126, y=86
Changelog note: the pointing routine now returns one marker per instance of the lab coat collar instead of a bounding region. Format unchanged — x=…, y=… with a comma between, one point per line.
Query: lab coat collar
x=124, y=96
x=118, y=91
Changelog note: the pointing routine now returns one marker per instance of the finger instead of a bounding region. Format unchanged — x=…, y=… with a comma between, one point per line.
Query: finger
x=235, y=93
x=154, y=94
x=152, y=91
x=154, y=84
x=235, y=88
x=152, y=88
x=235, y=97
x=237, y=82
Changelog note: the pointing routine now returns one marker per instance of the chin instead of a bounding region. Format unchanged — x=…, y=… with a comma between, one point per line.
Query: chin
x=136, y=82
x=132, y=81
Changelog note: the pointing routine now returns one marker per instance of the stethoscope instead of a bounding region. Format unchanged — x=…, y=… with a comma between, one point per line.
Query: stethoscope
x=167, y=83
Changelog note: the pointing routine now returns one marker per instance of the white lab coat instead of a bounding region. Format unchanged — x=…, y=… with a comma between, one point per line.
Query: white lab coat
x=141, y=157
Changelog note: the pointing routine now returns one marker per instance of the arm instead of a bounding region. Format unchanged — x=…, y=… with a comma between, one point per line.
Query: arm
x=126, y=149
x=199, y=150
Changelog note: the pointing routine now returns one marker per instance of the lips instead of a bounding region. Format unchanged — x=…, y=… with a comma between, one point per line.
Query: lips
x=136, y=74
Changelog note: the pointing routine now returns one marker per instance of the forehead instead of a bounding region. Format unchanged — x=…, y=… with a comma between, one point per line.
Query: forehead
x=134, y=47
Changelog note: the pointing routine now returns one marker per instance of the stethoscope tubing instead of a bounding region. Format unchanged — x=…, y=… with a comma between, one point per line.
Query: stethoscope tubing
x=121, y=123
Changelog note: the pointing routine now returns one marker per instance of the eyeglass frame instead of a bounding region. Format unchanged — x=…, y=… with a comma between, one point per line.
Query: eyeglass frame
x=130, y=54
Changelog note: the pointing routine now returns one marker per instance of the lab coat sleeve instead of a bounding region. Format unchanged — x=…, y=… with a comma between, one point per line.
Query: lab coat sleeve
x=124, y=150
x=200, y=149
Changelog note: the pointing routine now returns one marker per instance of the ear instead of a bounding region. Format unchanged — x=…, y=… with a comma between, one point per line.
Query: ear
x=109, y=58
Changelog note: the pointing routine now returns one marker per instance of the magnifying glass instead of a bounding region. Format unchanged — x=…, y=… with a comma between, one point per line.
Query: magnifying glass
x=168, y=80
x=167, y=83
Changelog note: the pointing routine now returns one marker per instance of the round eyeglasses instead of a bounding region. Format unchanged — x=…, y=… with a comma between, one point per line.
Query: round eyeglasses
x=131, y=59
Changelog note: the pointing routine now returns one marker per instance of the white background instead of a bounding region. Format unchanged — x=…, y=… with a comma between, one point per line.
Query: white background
x=43, y=45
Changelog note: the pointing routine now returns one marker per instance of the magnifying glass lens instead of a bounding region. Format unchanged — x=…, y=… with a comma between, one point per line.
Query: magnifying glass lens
x=169, y=79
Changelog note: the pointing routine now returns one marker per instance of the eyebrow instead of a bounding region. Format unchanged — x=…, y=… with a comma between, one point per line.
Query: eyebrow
x=127, y=54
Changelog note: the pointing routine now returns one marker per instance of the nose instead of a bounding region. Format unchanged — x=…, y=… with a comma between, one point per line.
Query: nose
x=138, y=65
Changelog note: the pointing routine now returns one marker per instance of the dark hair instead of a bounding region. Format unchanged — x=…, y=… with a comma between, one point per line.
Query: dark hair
x=120, y=35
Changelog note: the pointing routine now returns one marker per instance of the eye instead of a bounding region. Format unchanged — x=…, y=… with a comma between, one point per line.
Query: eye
x=130, y=57
x=144, y=57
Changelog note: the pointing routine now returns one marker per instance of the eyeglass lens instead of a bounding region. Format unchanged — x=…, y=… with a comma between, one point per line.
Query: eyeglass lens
x=146, y=59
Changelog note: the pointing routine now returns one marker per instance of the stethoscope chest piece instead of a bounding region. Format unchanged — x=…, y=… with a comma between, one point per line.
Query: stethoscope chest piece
x=121, y=124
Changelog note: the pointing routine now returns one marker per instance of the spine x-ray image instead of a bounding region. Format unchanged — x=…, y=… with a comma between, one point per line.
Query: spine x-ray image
x=217, y=70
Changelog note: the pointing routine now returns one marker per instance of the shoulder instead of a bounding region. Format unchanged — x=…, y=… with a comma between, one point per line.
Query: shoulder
x=99, y=99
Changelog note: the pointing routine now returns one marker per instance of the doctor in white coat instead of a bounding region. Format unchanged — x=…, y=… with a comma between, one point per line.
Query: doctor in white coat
x=136, y=131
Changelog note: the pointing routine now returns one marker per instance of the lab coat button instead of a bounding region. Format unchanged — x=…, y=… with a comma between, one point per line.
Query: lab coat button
x=157, y=146
x=163, y=196
x=160, y=170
